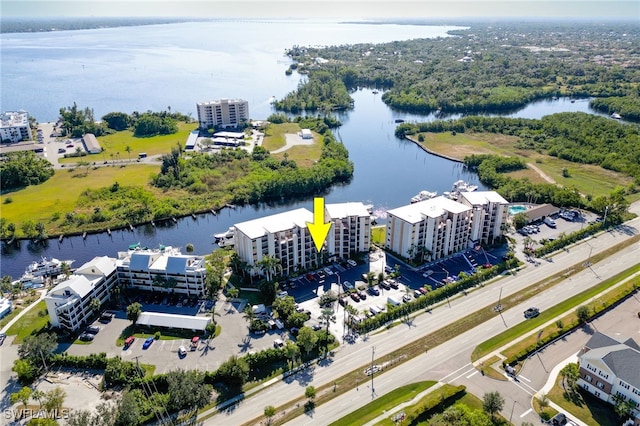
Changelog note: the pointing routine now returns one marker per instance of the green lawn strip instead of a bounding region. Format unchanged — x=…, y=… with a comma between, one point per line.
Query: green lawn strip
x=17, y=309
x=571, y=320
x=274, y=137
x=524, y=327
x=488, y=370
x=583, y=406
x=30, y=323
x=383, y=404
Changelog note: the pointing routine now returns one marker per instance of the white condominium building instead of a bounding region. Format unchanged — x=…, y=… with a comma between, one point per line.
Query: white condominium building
x=69, y=302
x=164, y=270
x=488, y=215
x=351, y=230
x=14, y=126
x=222, y=113
x=438, y=227
x=285, y=236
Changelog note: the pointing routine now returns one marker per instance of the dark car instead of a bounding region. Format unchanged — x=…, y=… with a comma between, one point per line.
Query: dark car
x=294, y=331
x=385, y=285
x=92, y=329
x=393, y=284
x=61, y=150
x=86, y=337
x=148, y=341
x=374, y=291
x=531, y=313
x=362, y=295
x=343, y=301
x=355, y=297
x=559, y=419
x=2, y=337
x=316, y=327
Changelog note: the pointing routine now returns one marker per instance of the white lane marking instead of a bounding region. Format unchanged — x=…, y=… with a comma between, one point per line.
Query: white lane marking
x=526, y=412
x=472, y=374
x=453, y=372
x=522, y=377
x=457, y=377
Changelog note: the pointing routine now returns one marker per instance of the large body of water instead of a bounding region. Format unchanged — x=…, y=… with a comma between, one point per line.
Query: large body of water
x=154, y=67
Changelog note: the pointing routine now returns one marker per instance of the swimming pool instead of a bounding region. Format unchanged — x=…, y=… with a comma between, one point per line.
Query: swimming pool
x=517, y=209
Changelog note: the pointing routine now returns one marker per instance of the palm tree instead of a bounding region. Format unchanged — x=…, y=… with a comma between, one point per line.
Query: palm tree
x=65, y=268
x=128, y=149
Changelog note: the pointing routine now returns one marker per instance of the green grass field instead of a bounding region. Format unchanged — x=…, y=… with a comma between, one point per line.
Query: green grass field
x=115, y=146
x=60, y=193
x=303, y=155
x=590, y=410
x=588, y=179
x=30, y=323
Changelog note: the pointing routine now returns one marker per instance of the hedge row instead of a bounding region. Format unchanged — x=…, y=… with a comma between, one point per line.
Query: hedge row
x=433, y=297
x=447, y=396
x=565, y=240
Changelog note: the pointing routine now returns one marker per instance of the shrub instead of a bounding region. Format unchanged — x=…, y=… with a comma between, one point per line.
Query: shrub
x=157, y=335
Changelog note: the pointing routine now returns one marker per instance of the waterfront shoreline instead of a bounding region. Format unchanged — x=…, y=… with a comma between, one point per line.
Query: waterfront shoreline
x=437, y=154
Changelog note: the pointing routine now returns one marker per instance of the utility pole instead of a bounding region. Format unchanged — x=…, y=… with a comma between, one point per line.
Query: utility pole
x=373, y=391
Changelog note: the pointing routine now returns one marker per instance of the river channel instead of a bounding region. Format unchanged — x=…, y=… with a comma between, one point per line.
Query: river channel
x=388, y=171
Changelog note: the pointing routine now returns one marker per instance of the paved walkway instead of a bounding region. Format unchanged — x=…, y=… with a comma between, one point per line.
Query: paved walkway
x=4, y=329
x=292, y=140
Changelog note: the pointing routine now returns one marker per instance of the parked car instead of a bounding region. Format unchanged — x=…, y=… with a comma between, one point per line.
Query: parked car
x=347, y=285
x=393, y=284
x=417, y=293
x=316, y=327
x=374, y=291
x=310, y=277
x=406, y=298
x=69, y=146
x=278, y=343
x=281, y=294
x=423, y=290
x=129, y=341
x=352, y=262
x=182, y=351
x=362, y=295
x=195, y=340
x=61, y=150
x=106, y=317
x=343, y=301
x=328, y=271
x=559, y=419
x=531, y=312
x=147, y=342
x=86, y=337
x=385, y=284
x=92, y=329
x=355, y=297
x=2, y=337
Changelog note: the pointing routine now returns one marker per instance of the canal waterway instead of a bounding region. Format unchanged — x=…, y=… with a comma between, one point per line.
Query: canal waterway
x=388, y=170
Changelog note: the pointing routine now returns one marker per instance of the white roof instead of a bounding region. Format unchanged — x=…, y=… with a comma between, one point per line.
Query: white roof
x=275, y=223
x=76, y=284
x=191, y=140
x=434, y=207
x=186, y=322
x=342, y=210
x=101, y=266
x=235, y=135
x=306, y=131
x=483, y=197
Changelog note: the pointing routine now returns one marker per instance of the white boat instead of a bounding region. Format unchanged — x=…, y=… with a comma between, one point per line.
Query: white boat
x=422, y=196
x=616, y=116
x=46, y=267
x=28, y=281
x=225, y=239
x=461, y=186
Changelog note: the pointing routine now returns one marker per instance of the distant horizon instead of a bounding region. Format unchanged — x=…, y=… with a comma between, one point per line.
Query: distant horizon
x=624, y=10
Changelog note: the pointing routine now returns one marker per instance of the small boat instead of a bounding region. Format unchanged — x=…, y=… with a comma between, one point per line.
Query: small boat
x=375, y=92
x=174, y=220
x=225, y=239
x=193, y=215
x=60, y=238
x=422, y=196
x=28, y=281
x=213, y=212
x=399, y=120
x=616, y=116
x=131, y=227
x=84, y=235
x=231, y=206
x=109, y=231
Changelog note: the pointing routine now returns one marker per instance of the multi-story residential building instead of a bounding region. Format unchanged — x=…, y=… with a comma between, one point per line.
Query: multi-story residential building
x=222, y=113
x=489, y=211
x=14, y=126
x=285, y=236
x=610, y=370
x=69, y=302
x=350, y=231
x=164, y=269
x=437, y=228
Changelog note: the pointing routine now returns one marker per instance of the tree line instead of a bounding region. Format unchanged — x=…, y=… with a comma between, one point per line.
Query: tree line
x=485, y=68
x=20, y=169
x=574, y=136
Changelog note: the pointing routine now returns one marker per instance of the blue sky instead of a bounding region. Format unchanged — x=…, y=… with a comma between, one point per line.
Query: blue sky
x=627, y=9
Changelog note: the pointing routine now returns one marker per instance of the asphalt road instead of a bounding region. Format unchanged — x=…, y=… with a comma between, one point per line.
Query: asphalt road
x=449, y=361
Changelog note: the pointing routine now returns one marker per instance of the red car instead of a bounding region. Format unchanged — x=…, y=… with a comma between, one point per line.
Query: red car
x=310, y=277
x=355, y=297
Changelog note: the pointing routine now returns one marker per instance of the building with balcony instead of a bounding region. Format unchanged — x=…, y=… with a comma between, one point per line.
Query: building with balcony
x=164, y=269
x=437, y=228
x=489, y=212
x=350, y=231
x=609, y=370
x=69, y=302
x=285, y=236
x=222, y=113
x=14, y=127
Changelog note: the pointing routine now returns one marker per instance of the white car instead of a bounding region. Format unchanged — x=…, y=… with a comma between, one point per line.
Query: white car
x=328, y=271
x=352, y=262
x=182, y=351
x=282, y=294
x=347, y=285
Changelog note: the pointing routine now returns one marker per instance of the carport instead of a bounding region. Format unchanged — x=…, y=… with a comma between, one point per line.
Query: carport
x=184, y=322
